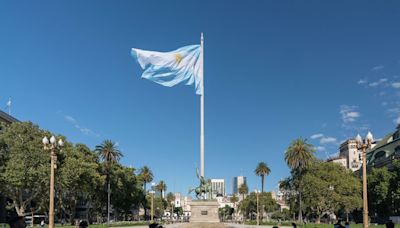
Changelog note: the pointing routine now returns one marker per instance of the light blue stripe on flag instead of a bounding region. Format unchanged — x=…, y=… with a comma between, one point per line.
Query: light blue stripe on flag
x=183, y=65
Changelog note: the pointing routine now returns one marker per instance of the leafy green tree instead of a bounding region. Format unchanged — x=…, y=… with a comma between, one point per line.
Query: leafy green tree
x=379, y=191
x=170, y=197
x=225, y=212
x=178, y=211
x=170, y=200
x=25, y=171
x=394, y=186
x=234, y=199
x=262, y=170
x=159, y=207
x=125, y=191
x=109, y=155
x=298, y=156
x=248, y=206
x=283, y=216
x=329, y=187
x=77, y=175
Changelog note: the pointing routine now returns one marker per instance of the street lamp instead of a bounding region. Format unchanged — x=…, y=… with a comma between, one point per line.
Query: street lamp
x=364, y=145
x=257, y=193
x=52, y=146
x=152, y=192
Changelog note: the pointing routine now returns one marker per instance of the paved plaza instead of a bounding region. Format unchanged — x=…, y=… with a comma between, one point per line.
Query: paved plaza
x=208, y=225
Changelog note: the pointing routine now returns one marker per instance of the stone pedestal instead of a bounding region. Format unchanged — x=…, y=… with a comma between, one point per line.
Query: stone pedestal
x=204, y=211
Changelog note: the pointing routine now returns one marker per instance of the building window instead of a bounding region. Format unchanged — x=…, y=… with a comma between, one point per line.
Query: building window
x=380, y=155
x=397, y=151
x=396, y=135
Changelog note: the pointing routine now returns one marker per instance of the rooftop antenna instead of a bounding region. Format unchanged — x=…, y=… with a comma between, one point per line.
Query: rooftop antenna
x=8, y=106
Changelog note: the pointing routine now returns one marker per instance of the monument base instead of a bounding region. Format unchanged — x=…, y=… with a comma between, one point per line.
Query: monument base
x=204, y=211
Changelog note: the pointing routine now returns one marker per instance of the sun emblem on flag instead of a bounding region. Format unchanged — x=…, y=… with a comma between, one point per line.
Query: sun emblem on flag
x=178, y=58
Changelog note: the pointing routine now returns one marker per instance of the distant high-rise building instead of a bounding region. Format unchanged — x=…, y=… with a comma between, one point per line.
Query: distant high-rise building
x=237, y=182
x=217, y=187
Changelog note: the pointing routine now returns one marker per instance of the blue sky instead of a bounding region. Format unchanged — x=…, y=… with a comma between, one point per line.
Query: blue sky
x=274, y=71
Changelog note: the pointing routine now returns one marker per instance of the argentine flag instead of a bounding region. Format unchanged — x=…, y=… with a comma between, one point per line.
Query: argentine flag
x=184, y=65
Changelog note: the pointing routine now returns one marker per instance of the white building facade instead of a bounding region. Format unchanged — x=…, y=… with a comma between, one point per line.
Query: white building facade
x=217, y=188
x=349, y=151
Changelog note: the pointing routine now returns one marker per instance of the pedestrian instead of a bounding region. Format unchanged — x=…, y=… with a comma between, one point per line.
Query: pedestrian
x=390, y=224
x=83, y=224
x=338, y=224
x=17, y=222
x=294, y=225
x=42, y=223
x=346, y=225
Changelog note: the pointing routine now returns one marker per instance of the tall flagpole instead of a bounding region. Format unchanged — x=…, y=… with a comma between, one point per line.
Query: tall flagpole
x=202, y=110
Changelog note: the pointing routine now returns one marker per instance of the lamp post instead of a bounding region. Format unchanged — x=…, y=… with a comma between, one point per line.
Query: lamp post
x=257, y=193
x=364, y=145
x=152, y=192
x=52, y=146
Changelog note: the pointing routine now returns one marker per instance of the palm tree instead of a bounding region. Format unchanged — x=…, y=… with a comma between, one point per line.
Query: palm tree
x=298, y=156
x=234, y=199
x=162, y=187
x=243, y=189
x=146, y=175
x=109, y=154
x=171, y=201
x=262, y=170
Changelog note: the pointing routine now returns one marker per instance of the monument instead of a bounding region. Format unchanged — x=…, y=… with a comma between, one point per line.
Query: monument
x=203, y=210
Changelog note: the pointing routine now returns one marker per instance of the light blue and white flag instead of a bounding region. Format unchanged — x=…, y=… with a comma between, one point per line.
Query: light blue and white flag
x=184, y=65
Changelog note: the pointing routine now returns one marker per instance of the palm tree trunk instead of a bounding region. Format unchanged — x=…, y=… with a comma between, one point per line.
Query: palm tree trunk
x=300, y=213
x=108, y=200
x=145, y=206
x=262, y=183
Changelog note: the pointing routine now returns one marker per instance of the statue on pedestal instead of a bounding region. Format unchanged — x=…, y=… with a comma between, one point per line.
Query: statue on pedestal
x=204, y=187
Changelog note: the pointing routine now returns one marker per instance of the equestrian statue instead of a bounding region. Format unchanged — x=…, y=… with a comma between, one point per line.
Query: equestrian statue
x=204, y=187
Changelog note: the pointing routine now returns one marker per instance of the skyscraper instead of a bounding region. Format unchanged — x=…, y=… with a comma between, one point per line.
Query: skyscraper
x=237, y=182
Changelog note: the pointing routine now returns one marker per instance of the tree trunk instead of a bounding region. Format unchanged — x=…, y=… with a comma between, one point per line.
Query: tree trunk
x=318, y=221
x=300, y=213
x=108, y=202
x=262, y=183
x=33, y=218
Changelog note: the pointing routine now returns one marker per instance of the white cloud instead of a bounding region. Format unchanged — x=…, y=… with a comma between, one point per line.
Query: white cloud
x=84, y=130
x=362, y=81
x=394, y=111
x=348, y=113
x=376, y=68
x=316, y=136
x=320, y=148
x=70, y=119
x=396, y=85
x=379, y=82
x=327, y=140
x=353, y=114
